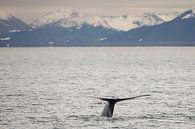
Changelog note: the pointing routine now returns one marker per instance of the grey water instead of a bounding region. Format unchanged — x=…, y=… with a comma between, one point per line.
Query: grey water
x=57, y=88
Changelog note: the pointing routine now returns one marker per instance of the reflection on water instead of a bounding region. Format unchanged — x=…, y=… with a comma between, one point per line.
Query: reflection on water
x=57, y=88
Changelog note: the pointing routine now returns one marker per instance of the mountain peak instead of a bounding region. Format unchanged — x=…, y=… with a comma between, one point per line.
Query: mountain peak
x=55, y=16
x=5, y=15
x=186, y=14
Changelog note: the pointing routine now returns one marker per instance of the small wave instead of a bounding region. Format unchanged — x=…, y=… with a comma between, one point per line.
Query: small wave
x=110, y=119
x=16, y=95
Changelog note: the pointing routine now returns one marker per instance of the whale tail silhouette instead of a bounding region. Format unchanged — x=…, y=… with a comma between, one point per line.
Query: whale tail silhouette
x=109, y=107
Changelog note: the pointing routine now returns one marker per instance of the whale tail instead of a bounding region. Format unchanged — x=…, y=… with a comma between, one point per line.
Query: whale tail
x=109, y=107
x=114, y=100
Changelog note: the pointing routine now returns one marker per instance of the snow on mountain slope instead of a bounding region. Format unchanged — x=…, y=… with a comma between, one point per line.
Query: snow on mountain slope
x=121, y=23
x=72, y=18
x=9, y=23
x=187, y=14
x=98, y=21
x=81, y=30
x=192, y=15
x=52, y=17
x=5, y=15
x=168, y=16
x=67, y=19
x=127, y=22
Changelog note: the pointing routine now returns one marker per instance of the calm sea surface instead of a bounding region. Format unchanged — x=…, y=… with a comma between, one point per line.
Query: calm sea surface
x=57, y=88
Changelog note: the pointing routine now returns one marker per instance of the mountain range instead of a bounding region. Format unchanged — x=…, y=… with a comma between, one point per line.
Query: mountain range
x=72, y=28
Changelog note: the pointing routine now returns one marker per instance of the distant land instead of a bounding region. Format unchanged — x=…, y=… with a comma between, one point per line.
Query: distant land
x=71, y=28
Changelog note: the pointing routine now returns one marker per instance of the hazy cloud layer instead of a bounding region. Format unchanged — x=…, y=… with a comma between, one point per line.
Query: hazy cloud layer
x=31, y=9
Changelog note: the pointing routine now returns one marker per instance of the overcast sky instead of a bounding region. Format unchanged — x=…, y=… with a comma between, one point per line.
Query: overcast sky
x=29, y=10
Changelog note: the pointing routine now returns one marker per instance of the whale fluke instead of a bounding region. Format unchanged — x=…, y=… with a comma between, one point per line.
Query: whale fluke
x=109, y=107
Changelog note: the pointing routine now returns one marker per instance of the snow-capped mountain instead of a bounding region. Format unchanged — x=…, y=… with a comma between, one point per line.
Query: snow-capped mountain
x=128, y=22
x=9, y=23
x=177, y=32
x=76, y=29
x=4, y=15
x=69, y=18
x=167, y=16
x=73, y=19
x=187, y=14
x=51, y=18
x=125, y=22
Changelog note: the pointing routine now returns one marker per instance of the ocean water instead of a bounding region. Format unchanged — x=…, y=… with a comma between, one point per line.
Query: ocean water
x=58, y=88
